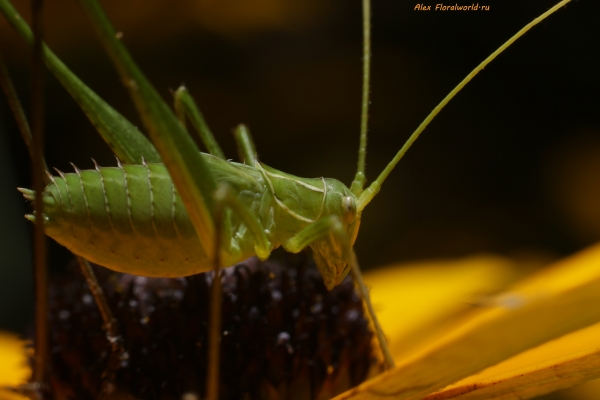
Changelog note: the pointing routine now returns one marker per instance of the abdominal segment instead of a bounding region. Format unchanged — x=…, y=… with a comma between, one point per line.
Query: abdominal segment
x=127, y=218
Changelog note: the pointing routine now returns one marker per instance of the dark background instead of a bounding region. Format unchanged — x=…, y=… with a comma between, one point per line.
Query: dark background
x=511, y=166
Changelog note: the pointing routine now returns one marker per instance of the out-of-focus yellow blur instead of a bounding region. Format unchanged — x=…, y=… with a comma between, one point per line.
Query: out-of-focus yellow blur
x=14, y=366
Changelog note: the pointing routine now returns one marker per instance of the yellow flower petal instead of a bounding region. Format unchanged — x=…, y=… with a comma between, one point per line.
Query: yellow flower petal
x=438, y=308
x=6, y=395
x=558, y=364
x=557, y=300
x=14, y=368
x=417, y=300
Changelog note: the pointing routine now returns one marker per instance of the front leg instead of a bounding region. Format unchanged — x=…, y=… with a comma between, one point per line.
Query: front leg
x=225, y=198
x=332, y=228
x=328, y=233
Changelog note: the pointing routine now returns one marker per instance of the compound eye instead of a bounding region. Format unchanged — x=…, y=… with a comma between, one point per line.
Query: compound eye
x=349, y=206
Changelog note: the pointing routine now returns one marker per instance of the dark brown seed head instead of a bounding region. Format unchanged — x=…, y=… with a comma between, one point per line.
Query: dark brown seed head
x=284, y=335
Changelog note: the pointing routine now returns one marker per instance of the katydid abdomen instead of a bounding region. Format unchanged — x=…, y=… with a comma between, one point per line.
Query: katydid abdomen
x=131, y=219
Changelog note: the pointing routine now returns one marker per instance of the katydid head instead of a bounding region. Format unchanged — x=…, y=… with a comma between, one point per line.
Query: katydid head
x=332, y=251
x=321, y=213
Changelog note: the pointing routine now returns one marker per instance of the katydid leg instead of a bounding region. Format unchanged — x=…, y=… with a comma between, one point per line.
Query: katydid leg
x=314, y=231
x=186, y=106
x=225, y=197
x=111, y=327
x=245, y=145
x=332, y=225
x=126, y=141
x=226, y=204
x=364, y=292
x=214, y=332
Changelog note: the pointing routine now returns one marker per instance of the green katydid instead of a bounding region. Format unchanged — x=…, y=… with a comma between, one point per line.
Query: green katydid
x=326, y=218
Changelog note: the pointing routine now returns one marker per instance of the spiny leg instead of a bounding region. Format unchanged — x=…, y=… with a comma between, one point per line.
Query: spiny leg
x=186, y=106
x=332, y=225
x=245, y=144
x=110, y=326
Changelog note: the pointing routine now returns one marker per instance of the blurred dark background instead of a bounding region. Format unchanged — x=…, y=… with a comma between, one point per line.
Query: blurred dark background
x=511, y=166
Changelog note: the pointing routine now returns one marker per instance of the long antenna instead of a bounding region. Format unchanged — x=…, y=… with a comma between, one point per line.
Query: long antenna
x=359, y=179
x=373, y=189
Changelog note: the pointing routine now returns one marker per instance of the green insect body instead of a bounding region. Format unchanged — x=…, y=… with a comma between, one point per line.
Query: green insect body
x=131, y=219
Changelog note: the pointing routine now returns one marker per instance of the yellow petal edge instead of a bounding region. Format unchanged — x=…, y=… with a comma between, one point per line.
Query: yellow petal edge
x=555, y=301
x=558, y=364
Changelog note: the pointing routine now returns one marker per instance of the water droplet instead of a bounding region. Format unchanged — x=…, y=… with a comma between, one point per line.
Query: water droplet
x=283, y=338
x=352, y=315
x=316, y=308
x=190, y=396
x=87, y=299
x=276, y=295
